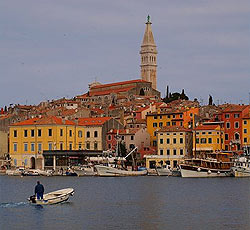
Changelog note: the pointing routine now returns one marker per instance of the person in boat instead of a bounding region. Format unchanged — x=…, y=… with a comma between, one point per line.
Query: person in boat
x=39, y=190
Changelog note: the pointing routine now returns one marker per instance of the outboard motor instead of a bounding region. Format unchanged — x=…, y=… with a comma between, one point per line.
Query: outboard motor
x=33, y=199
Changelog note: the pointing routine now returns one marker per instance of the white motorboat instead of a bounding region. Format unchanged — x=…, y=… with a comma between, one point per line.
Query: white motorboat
x=14, y=172
x=241, y=167
x=164, y=170
x=112, y=171
x=55, y=197
x=85, y=170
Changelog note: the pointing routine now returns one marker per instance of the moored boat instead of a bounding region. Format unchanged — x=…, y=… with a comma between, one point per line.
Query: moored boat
x=212, y=165
x=241, y=167
x=164, y=170
x=55, y=197
x=85, y=170
x=113, y=171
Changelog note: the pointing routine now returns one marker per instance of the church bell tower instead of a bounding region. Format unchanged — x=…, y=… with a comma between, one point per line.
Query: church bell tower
x=148, y=56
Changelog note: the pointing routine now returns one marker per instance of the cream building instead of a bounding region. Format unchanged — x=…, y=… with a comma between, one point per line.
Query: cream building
x=173, y=144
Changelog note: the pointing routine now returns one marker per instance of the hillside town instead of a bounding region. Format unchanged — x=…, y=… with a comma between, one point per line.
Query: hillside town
x=111, y=120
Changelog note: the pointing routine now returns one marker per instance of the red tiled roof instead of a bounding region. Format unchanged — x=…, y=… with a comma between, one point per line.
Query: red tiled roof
x=174, y=129
x=93, y=121
x=117, y=83
x=234, y=108
x=207, y=127
x=48, y=120
x=107, y=92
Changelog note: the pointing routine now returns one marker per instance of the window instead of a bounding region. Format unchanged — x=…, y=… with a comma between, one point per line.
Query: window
x=39, y=132
x=50, y=146
x=161, y=151
x=197, y=141
x=131, y=137
x=245, y=130
x=181, y=151
x=155, y=133
x=109, y=146
x=109, y=137
x=50, y=132
x=70, y=132
x=87, y=145
x=237, y=136
x=61, y=145
x=32, y=147
x=245, y=139
x=155, y=117
x=174, y=140
x=70, y=146
x=15, y=147
x=25, y=133
x=228, y=125
x=25, y=147
x=181, y=134
x=88, y=134
x=169, y=116
x=154, y=124
x=173, y=116
x=160, y=124
x=131, y=146
x=95, y=134
x=174, y=134
x=79, y=133
x=61, y=132
x=203, y=133
x=181, y=140
x=39, y=147
x=32, y=132
x=181, y=123
x=236, y=115
x=236, y=125
x=203, y=140
x=181, y=115
x=245, y=122
x=168, y=151
x=160, y=116
x=173, y=123
x=15, y=133
x=227, y=115
x=95, y=146
x=210, y=140
x=168, y=123
x=226, y=147
x=168, y=141
x=209, y=132
x=161, y=141
x=174, y=152
x=154, y=143
x=123, y=138
x=226, y=137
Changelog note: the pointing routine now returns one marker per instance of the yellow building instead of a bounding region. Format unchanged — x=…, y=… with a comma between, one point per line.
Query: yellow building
x=246, y=132
x=209, y=138
x=156, y=121
x=173, y=143
x=28, y=139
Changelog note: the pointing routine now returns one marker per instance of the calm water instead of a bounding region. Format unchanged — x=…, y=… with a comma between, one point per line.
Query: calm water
x=129, y=203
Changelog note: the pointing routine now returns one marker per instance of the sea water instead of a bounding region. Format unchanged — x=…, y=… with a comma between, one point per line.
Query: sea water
x=128, y=203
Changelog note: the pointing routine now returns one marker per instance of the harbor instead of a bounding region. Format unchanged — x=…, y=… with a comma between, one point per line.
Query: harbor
x=129, y=203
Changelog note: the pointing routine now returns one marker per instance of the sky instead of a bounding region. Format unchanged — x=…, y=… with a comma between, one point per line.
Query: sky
x=54, y=49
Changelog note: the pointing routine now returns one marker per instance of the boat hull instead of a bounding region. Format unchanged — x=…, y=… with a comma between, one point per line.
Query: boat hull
x=240, y=172
x=112, y=172
x=55, y=197
x=204, y=172
x=163, y=172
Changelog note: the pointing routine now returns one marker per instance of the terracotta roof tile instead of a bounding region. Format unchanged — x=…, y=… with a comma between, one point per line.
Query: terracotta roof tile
x=117, y=83
x=93, y=121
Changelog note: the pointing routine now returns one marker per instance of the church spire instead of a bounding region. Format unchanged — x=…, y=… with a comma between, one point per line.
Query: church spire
x=148, y=55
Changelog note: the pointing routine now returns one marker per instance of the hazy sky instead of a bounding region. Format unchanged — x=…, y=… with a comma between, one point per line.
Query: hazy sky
x=55, y=48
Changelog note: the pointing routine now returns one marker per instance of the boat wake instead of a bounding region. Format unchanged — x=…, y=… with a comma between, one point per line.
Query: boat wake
x=13, y=205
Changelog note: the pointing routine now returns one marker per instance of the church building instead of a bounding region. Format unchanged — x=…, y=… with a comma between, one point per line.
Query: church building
x=146, y=86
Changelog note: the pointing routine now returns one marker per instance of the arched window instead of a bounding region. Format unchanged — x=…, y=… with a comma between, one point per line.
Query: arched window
x=142, y=93
x=88, y=134
x=237, y=136
x=95, y=134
